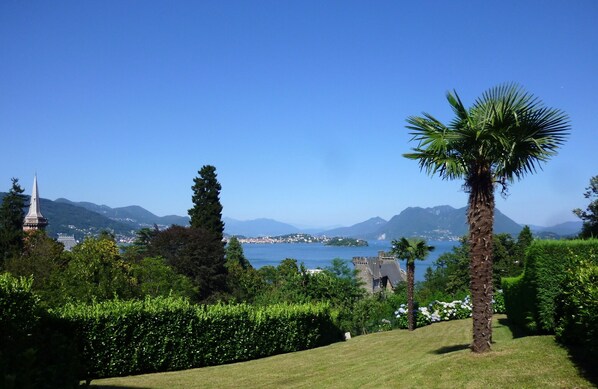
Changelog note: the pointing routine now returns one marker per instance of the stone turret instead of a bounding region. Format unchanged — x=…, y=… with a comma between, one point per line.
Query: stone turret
x=34, y=219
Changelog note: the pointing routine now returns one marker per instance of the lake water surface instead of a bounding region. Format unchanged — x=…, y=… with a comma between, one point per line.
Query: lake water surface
x=318, y=255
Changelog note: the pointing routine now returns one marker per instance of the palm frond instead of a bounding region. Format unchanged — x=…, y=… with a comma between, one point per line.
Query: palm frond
x=506, y=129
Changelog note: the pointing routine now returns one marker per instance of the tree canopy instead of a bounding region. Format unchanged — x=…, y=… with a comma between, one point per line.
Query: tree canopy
x=590, y=215
x=194, y=253
x=207, y=210
x=11, y=222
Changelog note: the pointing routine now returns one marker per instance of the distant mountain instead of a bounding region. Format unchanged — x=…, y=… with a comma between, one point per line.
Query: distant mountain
x=563, y=229
x=73, y=220
x=131, y=214
x=257, y=227
x=357, y=230
x=436, y=223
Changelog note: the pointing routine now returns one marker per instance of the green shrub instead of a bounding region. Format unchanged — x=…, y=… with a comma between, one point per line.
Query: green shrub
x=578, y=307
x=161, y=334
x=34, y=351
x=18, y=319
x=530, y=299
x=519, y=301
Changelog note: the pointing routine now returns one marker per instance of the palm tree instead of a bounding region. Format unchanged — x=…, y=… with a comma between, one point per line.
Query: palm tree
x=506, y=134
x=410, y=250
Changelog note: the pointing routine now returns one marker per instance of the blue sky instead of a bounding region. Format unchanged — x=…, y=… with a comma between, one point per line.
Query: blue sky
x=300, y=105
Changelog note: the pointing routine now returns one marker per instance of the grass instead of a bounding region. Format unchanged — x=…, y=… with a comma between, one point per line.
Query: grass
x=434, y=356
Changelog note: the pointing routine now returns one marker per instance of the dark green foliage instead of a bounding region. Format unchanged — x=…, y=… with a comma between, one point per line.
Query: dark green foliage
x=161, y=334
x=45, y=260
x=18, y=318
x=155, y=278
x=35, y=350
x=244, y=282
x=449, y=278
x=520, y=302
x=135, y=252
x=207, y=210
x=235, y=255
x=11, y=222
x=505, y=258
x=531, y=298
x=348, y=242
x=590, y=215
x=291, y=283
x=193, y=252
x=96, y=271
x=577, y=307
x=524, y=240
x=374, y=313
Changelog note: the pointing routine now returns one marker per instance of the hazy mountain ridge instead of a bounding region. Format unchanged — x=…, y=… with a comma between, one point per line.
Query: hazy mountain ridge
x=434, y=223
x=360, y=229
x=257, y=227
x=130, y=214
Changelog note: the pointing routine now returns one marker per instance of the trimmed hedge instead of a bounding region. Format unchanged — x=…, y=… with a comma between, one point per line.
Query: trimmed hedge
x=36, y=351
x=520, y=302
x=161, y=334
x=577, y=308
x=530, y=299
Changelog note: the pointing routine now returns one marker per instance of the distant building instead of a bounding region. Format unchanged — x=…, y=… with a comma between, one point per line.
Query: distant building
x=34, y=219
x=68, y=241
x=379, y=273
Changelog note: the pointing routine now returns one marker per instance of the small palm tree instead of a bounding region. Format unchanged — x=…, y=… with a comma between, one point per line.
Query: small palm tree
x=506, y=134
x=410, y=250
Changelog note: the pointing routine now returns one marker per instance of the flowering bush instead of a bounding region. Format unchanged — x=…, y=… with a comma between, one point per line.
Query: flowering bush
x=498, y=303
x=420, y=318
x=440, y=311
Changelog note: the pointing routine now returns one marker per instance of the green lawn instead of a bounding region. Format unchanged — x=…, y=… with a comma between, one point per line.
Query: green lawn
x=435, y=356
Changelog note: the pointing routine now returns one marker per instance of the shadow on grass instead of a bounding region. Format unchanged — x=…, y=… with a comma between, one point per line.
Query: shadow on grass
x=585, y=362
x=517, y=331
x=114, y=387
x=450, y=349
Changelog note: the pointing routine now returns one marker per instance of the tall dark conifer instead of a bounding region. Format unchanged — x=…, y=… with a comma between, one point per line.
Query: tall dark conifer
x=207, y=210
x=11, y=222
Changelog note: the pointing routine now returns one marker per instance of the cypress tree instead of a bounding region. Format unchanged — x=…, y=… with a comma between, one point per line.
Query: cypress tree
x=11, y=222
x=234, y=254
x=207, y=210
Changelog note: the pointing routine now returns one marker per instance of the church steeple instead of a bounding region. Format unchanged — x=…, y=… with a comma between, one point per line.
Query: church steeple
x=34, y=219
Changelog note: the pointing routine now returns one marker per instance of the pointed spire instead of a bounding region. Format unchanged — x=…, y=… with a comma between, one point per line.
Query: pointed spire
x=34, y=219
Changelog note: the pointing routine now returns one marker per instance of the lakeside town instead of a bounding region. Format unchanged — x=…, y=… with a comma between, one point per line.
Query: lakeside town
x=304, y=238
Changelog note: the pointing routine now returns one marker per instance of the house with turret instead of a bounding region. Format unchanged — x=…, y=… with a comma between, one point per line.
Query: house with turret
x=379, y=273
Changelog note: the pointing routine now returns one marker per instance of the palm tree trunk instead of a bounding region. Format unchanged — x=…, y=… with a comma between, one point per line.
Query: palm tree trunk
x=410, y=285
x=480, y=217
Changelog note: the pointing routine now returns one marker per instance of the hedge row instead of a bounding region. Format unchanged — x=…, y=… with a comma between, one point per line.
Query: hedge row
x=531, y=299
x=36, y=350
x=577, y=308
x=161, y=334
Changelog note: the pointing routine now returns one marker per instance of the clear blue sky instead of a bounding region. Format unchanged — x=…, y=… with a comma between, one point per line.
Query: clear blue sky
x=300, y=105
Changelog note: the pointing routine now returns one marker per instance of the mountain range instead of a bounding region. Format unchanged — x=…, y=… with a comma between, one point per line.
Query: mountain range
x=435, y=223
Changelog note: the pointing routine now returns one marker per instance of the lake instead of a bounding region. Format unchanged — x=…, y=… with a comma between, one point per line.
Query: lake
x=315, y=255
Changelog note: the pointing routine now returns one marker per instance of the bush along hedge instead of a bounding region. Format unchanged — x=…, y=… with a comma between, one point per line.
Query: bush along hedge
x=577, y=308
x=161, y=334
x=438, y=311
x=36, y=351
x=531, y=299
